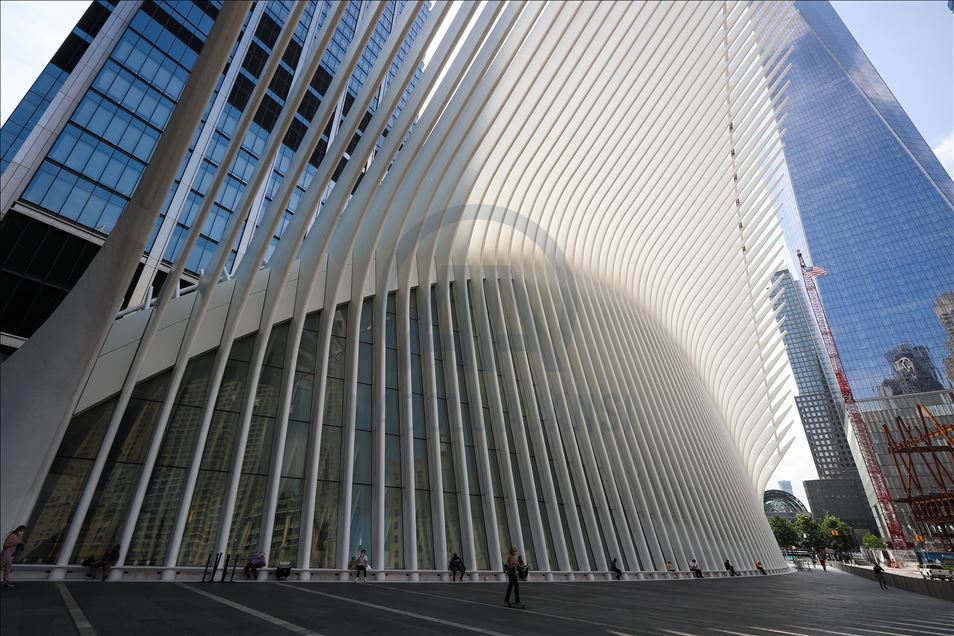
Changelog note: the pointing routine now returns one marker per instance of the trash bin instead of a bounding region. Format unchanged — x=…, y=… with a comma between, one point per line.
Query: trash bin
x=283, y=571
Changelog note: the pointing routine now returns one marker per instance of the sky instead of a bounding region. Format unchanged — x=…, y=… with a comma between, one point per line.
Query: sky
x=909, y=42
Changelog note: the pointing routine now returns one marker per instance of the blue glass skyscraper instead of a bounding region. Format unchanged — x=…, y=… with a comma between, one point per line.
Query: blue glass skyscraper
x=123, y=68
x=875, y=206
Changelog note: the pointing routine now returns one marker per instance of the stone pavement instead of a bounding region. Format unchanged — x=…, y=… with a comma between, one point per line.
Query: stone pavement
x=804, y=603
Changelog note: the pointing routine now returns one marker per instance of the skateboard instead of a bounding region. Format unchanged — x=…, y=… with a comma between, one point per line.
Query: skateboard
x=516, y=605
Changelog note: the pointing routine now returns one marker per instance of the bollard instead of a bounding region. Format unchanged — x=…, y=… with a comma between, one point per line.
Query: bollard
x=215, y=566
x=225, y=568
x=205, y=572
x=234, y=565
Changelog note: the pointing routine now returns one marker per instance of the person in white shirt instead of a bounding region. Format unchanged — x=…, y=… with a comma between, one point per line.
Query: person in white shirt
x=695, y=569
x=361, y=566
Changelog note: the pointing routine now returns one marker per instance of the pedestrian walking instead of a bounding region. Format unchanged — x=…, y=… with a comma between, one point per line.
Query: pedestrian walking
x=107, y=561
x=361, y=566
x=695, y=569
x=456, y=566
x=879, y=574
x=669, y=567
x=824, y=564
x=728, y=566
x=255, y=561
x=513, y=583
x=758, y=566
x=12, y=544
x=616, y=570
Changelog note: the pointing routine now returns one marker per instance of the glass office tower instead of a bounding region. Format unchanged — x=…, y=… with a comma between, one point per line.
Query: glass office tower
x=875, y=204
x=80, y=187
x=821, y=409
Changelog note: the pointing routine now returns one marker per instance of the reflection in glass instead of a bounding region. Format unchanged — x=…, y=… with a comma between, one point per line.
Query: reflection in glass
x=151, y=538
x=392, y=460
x=247, y=519
x=64, y=484
x=393, y=529
x=363, y=459
x=287, y=522
x=569, y=543
x=361, y=521
x=101, y=527
x=425, y=541
x=51, y=516
x=296, y=446
x=452, y=525
x=503, y=530
x=480, y=533
x=326, y=525
x=198, y=540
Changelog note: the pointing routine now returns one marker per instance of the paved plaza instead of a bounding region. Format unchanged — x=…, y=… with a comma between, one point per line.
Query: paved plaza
x=806, y=603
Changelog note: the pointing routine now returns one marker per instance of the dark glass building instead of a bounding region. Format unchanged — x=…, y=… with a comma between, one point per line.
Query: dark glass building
x=821, y=408
x=875, y=204
x=125, y=66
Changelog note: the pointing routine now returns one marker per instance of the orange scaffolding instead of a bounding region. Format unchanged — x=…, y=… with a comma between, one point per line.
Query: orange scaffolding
x=923, y=457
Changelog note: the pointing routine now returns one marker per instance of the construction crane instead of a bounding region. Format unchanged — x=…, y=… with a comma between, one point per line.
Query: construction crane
x=896, y=534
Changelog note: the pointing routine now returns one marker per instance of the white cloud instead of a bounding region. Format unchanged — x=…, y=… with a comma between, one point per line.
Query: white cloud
x=945, y=153
x=30, y=33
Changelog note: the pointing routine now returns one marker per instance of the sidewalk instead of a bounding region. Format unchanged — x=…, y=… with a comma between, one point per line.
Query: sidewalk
x=747, y=605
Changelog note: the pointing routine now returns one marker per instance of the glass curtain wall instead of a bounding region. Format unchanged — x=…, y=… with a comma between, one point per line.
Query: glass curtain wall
x=325, y=529
x=287, y=523
x=122, y=470
x=393, y=557
x=481, y=560
x=422, y=484
x=363, y=442
x=151, y=538
x=448, y=465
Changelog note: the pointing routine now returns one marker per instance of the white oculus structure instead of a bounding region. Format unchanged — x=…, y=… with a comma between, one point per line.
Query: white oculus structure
x=539, y=314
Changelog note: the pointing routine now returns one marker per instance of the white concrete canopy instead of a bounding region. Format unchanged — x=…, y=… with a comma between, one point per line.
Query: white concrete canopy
x=564, y=246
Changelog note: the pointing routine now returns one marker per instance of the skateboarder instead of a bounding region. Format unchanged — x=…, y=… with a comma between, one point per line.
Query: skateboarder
x=513, y=582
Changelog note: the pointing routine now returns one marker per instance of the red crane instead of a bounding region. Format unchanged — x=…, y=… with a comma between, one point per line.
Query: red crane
x=896, y=540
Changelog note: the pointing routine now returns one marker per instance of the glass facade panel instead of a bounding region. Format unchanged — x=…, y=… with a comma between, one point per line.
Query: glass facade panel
x=121, y=471
x=286, y=531
x=64, y=484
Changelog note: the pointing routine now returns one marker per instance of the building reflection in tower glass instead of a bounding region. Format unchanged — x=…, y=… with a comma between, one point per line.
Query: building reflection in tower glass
x=875, y=205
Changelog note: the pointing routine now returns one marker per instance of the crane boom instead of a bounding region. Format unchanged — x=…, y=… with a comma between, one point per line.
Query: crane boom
x=896, y=538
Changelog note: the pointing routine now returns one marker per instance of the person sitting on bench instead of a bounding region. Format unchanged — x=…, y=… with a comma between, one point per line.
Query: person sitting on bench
x=730, y=569
x=107, y=561
x=456, y=566
x=256, y=561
